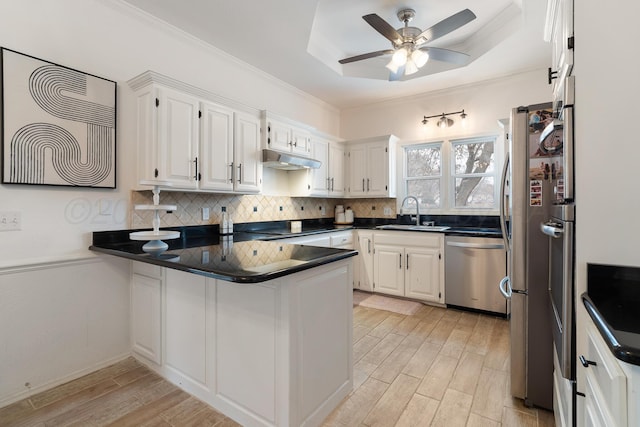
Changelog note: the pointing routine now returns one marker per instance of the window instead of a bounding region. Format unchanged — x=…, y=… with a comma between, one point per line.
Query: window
x=465, y=166
x=423, y=173
x=473, y=173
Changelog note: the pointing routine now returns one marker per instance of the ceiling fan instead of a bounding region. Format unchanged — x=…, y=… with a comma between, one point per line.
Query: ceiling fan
x=409, y=53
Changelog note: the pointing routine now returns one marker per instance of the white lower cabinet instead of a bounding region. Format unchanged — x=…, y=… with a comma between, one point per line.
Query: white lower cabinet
x=276, y=353
x=605, y=385
x=363, y=270
x=146, y=309
x=409, y=264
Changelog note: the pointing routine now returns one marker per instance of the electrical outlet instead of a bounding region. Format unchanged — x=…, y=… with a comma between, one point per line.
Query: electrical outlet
x=387, y=211
x=10, y=221
x=205, y=214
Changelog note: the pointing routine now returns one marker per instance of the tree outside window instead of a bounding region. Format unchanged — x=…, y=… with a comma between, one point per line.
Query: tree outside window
x=474, y=173
x=423, y=173
x=470, y=176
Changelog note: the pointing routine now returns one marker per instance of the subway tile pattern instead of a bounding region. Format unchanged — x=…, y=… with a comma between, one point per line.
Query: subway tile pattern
x=249, y=208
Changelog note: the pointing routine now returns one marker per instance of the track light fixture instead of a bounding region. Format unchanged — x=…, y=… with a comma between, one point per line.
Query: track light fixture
x=444, y=121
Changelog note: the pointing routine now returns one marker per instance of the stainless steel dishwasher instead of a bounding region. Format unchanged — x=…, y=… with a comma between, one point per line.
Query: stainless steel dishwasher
x=473, y=268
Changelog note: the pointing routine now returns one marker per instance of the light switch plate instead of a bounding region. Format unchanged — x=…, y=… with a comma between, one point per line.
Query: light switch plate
x=205, y=214
x=10, y=221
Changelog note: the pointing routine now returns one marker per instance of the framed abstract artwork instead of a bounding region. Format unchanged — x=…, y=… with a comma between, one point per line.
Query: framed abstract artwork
x=58, y=124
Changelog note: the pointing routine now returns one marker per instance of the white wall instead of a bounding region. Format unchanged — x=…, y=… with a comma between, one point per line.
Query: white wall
x=112, y=40
x=607, y=152
x=484, y=102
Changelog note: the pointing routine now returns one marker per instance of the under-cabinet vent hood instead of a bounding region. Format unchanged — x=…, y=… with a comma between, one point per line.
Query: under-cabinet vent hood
x=287, y=161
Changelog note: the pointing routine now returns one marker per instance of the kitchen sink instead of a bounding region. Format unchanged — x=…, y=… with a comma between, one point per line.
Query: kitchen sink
x=412, y=227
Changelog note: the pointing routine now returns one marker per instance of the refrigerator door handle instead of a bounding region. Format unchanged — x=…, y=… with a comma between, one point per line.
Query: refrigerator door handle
x=503, y=207
x=551, y=229
x=505, y=287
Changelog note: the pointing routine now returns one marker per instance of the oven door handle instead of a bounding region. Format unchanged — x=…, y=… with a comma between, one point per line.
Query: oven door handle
x=551, y=229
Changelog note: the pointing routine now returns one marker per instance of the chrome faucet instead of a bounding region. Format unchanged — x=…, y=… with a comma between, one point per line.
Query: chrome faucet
x=417, y=207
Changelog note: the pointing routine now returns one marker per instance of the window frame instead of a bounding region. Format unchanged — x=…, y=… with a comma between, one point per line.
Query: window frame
x=447, y=174
x=453, y=176
x=440, y=177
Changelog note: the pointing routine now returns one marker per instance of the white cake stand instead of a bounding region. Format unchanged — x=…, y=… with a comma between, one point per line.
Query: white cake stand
x=155, y=237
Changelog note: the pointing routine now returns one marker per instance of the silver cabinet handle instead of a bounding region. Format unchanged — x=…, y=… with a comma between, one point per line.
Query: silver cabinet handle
x=505, y=287
x=363, y=184
x=239, y=173
x=400, y=261
x=368, y=188
x=407, y=263
x=331, y=184
x=328, y=184
x=368, y=246
x=231, y=175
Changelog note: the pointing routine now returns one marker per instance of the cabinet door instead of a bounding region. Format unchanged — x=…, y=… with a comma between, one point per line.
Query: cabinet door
x=216, y=147
x=365, y=262
x=178, y=138
x=422, y=273
x=336, y=170
x=389, y=269
x=186, y=327
x=279, y=136
x=357, y=170
x=301, y=142
x=248, y=169
x=146, y=317
x=320, y=177
x=377, y=178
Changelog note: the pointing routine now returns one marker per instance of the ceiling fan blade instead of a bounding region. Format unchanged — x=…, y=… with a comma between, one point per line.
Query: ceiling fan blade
x=366, y=56
x=446, y=26
x=397, y=75
x=446, y=55
x=384, y=28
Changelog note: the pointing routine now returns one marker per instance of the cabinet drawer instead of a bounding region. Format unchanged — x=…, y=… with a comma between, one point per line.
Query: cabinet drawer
x=149, y=270
x=344, y=238
x=409, y=238
x=606, y=376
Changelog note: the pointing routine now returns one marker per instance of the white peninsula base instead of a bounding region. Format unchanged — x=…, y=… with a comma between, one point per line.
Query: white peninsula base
x=276, y=353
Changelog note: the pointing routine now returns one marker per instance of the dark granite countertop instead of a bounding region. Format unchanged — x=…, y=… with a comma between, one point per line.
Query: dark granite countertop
x=250, y=256
x=613, y=303
x=239, y=258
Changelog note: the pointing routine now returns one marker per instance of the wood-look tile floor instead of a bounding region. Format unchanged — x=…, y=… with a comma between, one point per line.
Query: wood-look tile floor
x=438, y=367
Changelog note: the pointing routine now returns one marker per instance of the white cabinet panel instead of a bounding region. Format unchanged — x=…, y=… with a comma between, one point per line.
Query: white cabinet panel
x=178, y=140
x=217, y=147
x=363, y=271
x=409, y=264
x=146, y=317
x=372, y=168
x=245, y=346
x=389, y=271
x=422, y=275
x=247, y=153
x=186, y=326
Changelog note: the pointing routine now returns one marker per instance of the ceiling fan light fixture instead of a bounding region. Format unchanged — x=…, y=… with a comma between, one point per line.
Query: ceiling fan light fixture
x=393, y=67
x=419, y=57
x=410, y=67
x=400, y=57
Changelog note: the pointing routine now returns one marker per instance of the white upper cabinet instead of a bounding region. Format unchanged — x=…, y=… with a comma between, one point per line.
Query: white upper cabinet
x=559, y=32
x=371, y=167
x=191, y=141
x=286, y=136
x=328, y=179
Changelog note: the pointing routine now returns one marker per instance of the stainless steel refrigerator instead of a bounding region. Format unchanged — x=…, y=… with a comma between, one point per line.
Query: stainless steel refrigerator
x=526, y=200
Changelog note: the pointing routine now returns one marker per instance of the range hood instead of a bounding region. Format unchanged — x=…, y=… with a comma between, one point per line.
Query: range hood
x=287, y=161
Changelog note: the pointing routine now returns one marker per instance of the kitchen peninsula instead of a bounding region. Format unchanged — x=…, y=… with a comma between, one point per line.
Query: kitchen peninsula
x=260, y=330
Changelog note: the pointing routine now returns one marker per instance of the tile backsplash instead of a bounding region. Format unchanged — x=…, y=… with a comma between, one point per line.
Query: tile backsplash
x=250, y=208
